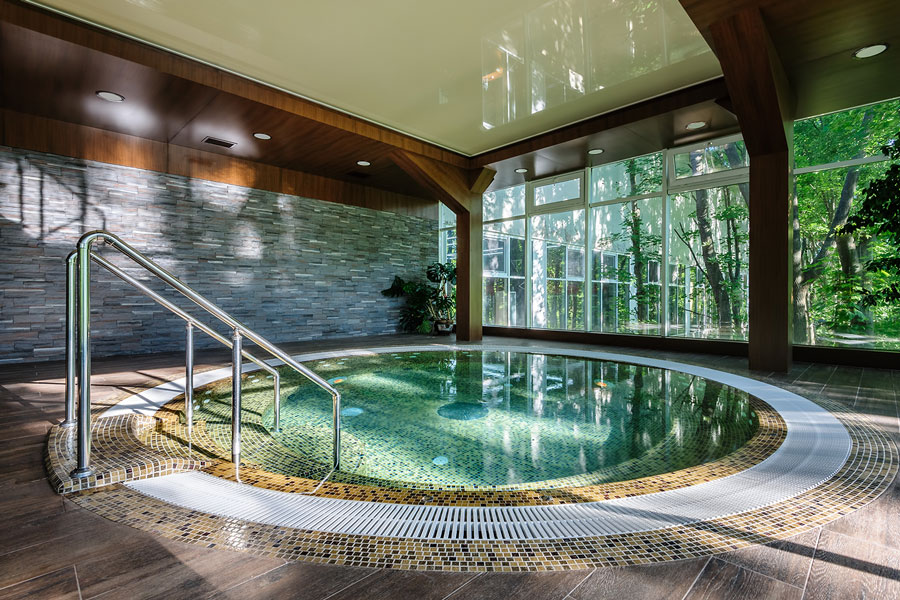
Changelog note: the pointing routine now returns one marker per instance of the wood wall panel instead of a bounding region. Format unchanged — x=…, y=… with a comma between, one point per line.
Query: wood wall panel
x=189, y=162
x=68, y=139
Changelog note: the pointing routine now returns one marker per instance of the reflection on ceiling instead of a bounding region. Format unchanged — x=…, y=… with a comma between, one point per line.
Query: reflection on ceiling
x=468, y=75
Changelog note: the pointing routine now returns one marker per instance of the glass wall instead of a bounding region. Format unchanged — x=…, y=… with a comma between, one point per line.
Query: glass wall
x=557, y=270
x=446, y=234
x=626, y=247
x=838, y=293
x=504, y=255
x=708, y=235
x=504, y=273
x=652, y=245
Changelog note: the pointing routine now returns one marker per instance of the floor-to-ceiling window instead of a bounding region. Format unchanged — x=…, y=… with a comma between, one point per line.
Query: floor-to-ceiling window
x=841, y=293
x=557, y=238
x=626, y=247
x=708, y=234
x=652, y=245
x=504, y=255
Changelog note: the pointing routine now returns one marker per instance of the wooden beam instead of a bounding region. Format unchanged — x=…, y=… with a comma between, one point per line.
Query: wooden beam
x=461, y=192
x=763, y=103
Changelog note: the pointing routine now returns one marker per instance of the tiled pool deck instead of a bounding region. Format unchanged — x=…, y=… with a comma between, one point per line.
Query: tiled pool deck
x=850, y=554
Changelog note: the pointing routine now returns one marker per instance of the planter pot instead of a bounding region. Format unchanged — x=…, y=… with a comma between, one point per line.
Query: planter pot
x=444, y=327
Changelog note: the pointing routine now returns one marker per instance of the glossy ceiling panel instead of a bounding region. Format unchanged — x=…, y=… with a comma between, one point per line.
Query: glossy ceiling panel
x=468, y=75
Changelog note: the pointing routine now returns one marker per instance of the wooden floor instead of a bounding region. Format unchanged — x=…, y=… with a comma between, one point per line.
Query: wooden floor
x=50, y=548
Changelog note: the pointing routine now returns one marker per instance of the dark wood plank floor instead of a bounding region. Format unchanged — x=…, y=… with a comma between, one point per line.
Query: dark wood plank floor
x=50, y=548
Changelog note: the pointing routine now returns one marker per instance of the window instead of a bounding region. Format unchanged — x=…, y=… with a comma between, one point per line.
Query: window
x=711, y=159
x=557, y=276
x=446, y=234
x=625, y=290
x=836, y=157
x=635, y=177
x=503, y=273
x=503, y=204
x=708, y=235
x=558, y=190
x=648, y=250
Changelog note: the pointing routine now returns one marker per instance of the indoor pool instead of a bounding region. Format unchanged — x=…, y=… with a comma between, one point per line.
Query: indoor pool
x=472, y=419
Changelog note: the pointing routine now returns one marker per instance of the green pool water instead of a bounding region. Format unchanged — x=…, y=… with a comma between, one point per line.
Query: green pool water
x=472, y=419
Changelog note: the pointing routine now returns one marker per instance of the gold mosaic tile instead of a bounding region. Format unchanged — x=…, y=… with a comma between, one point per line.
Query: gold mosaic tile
x=135, y=447
x=869, y=469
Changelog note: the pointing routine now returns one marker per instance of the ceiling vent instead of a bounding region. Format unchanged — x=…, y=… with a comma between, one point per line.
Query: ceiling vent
x=217, y=142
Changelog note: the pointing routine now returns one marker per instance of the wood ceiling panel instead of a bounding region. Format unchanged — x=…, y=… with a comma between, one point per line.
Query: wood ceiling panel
x=625, y=141
x=815, y=40
x=56, y=79
x=53, y=78
x=297, y=143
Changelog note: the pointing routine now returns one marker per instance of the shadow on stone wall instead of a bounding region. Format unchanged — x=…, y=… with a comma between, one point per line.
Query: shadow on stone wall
x=292, y=268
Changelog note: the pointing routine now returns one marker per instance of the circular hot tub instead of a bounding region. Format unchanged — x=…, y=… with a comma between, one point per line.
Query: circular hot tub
x=466, y=419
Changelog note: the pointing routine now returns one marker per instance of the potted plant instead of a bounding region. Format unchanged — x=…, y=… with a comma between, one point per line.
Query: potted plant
x=429, y=308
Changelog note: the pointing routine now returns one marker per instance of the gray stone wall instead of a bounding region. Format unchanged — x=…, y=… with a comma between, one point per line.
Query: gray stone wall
x=289, y=267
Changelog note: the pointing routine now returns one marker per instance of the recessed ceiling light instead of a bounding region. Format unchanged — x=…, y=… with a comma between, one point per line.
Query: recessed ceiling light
x=595, y=151
x=695, y=125
x=262, y=136
x=870, y=51
x=110, y=96
x=363, y=163
x=521, y=170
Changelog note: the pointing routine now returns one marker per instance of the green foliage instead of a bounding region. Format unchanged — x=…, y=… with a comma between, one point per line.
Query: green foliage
x=846, y=254
x=426, y=304
x=879, y=215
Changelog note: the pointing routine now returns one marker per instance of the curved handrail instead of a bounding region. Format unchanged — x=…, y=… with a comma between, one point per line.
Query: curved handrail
x=81, y=272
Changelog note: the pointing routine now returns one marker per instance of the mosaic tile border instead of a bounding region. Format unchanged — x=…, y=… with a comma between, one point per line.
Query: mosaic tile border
x=118, y=455
x=870, y=467
x=166, y=452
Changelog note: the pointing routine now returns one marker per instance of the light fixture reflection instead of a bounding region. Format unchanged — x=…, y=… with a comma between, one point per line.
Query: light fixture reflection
x=870, y=51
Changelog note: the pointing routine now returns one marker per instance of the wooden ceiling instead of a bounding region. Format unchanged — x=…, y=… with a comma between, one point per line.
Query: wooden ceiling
x=815, y=40
x=51, y=67
x=50, y=77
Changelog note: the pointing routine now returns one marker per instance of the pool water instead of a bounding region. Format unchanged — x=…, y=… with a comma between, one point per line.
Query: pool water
x=470, y=419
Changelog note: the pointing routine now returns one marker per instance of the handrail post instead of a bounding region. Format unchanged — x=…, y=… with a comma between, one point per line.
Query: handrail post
x=84, y=359
x=236, y=397
x=71, y=337
x=336, y=427
x=189, y=376
x=277, y=382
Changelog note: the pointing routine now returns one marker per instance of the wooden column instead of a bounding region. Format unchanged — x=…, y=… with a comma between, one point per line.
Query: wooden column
x=460, y=191
x=763, y=103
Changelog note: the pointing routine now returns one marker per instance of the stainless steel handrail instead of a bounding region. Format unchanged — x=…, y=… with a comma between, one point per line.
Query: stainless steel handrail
x=199, y=325
x=78, y=278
